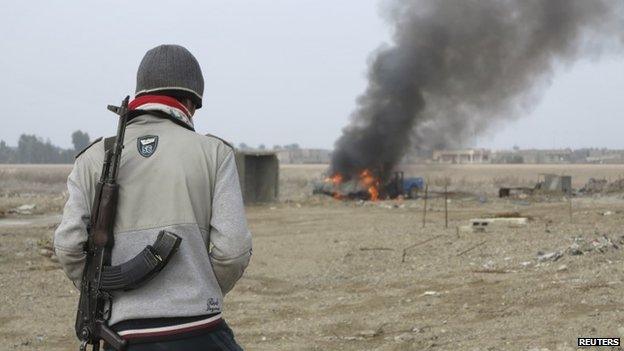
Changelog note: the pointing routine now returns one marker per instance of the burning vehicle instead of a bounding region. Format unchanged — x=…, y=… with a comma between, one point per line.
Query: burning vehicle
x=370, y=185
x=451, y=70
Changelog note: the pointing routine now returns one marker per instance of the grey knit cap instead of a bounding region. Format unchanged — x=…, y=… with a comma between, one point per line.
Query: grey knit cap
x=170, y=70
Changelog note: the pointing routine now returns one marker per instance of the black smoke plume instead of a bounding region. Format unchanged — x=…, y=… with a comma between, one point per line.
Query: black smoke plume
x=456, y=66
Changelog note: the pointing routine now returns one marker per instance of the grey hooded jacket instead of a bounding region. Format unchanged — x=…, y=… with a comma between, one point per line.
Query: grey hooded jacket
x=189, y=186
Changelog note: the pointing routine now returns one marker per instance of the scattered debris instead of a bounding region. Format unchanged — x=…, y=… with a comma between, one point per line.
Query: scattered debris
x=515, y=192
x=607, y=213
x=489, y=264
x=481, y=224
x=390, y=206
x=550, y=256
x=601, y=186
x=500, y=271
x=594, y=186
x=616, y=186
x=581, y=245
x=376, y=249
x=370, y=333
x=46, y=252
x=23, y=210
x=404, y=337
x=547, y=184
x=431, y=293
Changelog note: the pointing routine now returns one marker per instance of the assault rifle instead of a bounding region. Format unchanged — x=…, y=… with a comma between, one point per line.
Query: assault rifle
x=99, y=278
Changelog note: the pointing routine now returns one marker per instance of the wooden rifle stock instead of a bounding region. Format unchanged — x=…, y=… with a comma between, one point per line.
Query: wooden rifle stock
x=102, y=228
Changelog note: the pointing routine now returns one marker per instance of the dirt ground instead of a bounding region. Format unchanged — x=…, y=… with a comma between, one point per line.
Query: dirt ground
x=334, y=275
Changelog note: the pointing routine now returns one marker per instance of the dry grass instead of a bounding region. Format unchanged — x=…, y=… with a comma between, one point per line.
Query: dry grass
x=33, y=179
x=40, y=185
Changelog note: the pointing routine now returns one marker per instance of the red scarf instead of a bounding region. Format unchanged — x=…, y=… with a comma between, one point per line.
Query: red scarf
x=164, y=104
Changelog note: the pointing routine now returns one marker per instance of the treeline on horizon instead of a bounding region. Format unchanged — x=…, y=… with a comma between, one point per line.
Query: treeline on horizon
x=33, y=149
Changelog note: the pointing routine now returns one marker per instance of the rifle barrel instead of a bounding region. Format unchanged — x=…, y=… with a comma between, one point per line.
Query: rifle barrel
x=121, y=131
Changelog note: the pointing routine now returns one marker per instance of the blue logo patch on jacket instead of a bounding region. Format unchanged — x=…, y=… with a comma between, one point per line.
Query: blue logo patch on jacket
x=147, y=145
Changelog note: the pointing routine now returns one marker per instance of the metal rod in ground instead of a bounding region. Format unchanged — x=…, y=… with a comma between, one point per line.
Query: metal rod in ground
x=418, y=244
x=425, y=207
x=570, y=207
x=472, y=248
x=445, y=206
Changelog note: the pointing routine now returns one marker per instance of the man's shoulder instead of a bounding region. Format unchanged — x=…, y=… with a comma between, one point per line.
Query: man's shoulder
x=219, y=140
x=94, y=142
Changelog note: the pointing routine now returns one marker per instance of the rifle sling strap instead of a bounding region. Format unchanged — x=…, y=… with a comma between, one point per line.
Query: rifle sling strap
x=109, y=143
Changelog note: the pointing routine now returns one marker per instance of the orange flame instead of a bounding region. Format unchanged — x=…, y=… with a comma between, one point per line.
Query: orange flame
x=336, y=180
x=374, y=193
x=366, y=179
x=371, y=183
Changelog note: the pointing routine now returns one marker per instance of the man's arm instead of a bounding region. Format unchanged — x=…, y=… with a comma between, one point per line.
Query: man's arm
x=229, y=237
x=71, y=235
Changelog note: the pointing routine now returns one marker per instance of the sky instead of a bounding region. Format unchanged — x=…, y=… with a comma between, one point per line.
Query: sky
x=276, y=72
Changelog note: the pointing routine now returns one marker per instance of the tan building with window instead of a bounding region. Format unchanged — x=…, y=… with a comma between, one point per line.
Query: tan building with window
x=461, y=156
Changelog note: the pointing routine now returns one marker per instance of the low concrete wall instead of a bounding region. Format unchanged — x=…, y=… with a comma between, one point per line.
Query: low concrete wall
x=258, y=173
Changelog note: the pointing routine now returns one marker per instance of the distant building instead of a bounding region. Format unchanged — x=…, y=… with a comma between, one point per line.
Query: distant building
x=535, y=156
x=461, y=156
x=604, y=156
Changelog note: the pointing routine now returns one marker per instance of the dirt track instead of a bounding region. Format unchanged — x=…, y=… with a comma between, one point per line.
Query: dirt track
x=328, y=275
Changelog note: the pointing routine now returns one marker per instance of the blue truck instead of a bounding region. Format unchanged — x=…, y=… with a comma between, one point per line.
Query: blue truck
x=398, y=185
